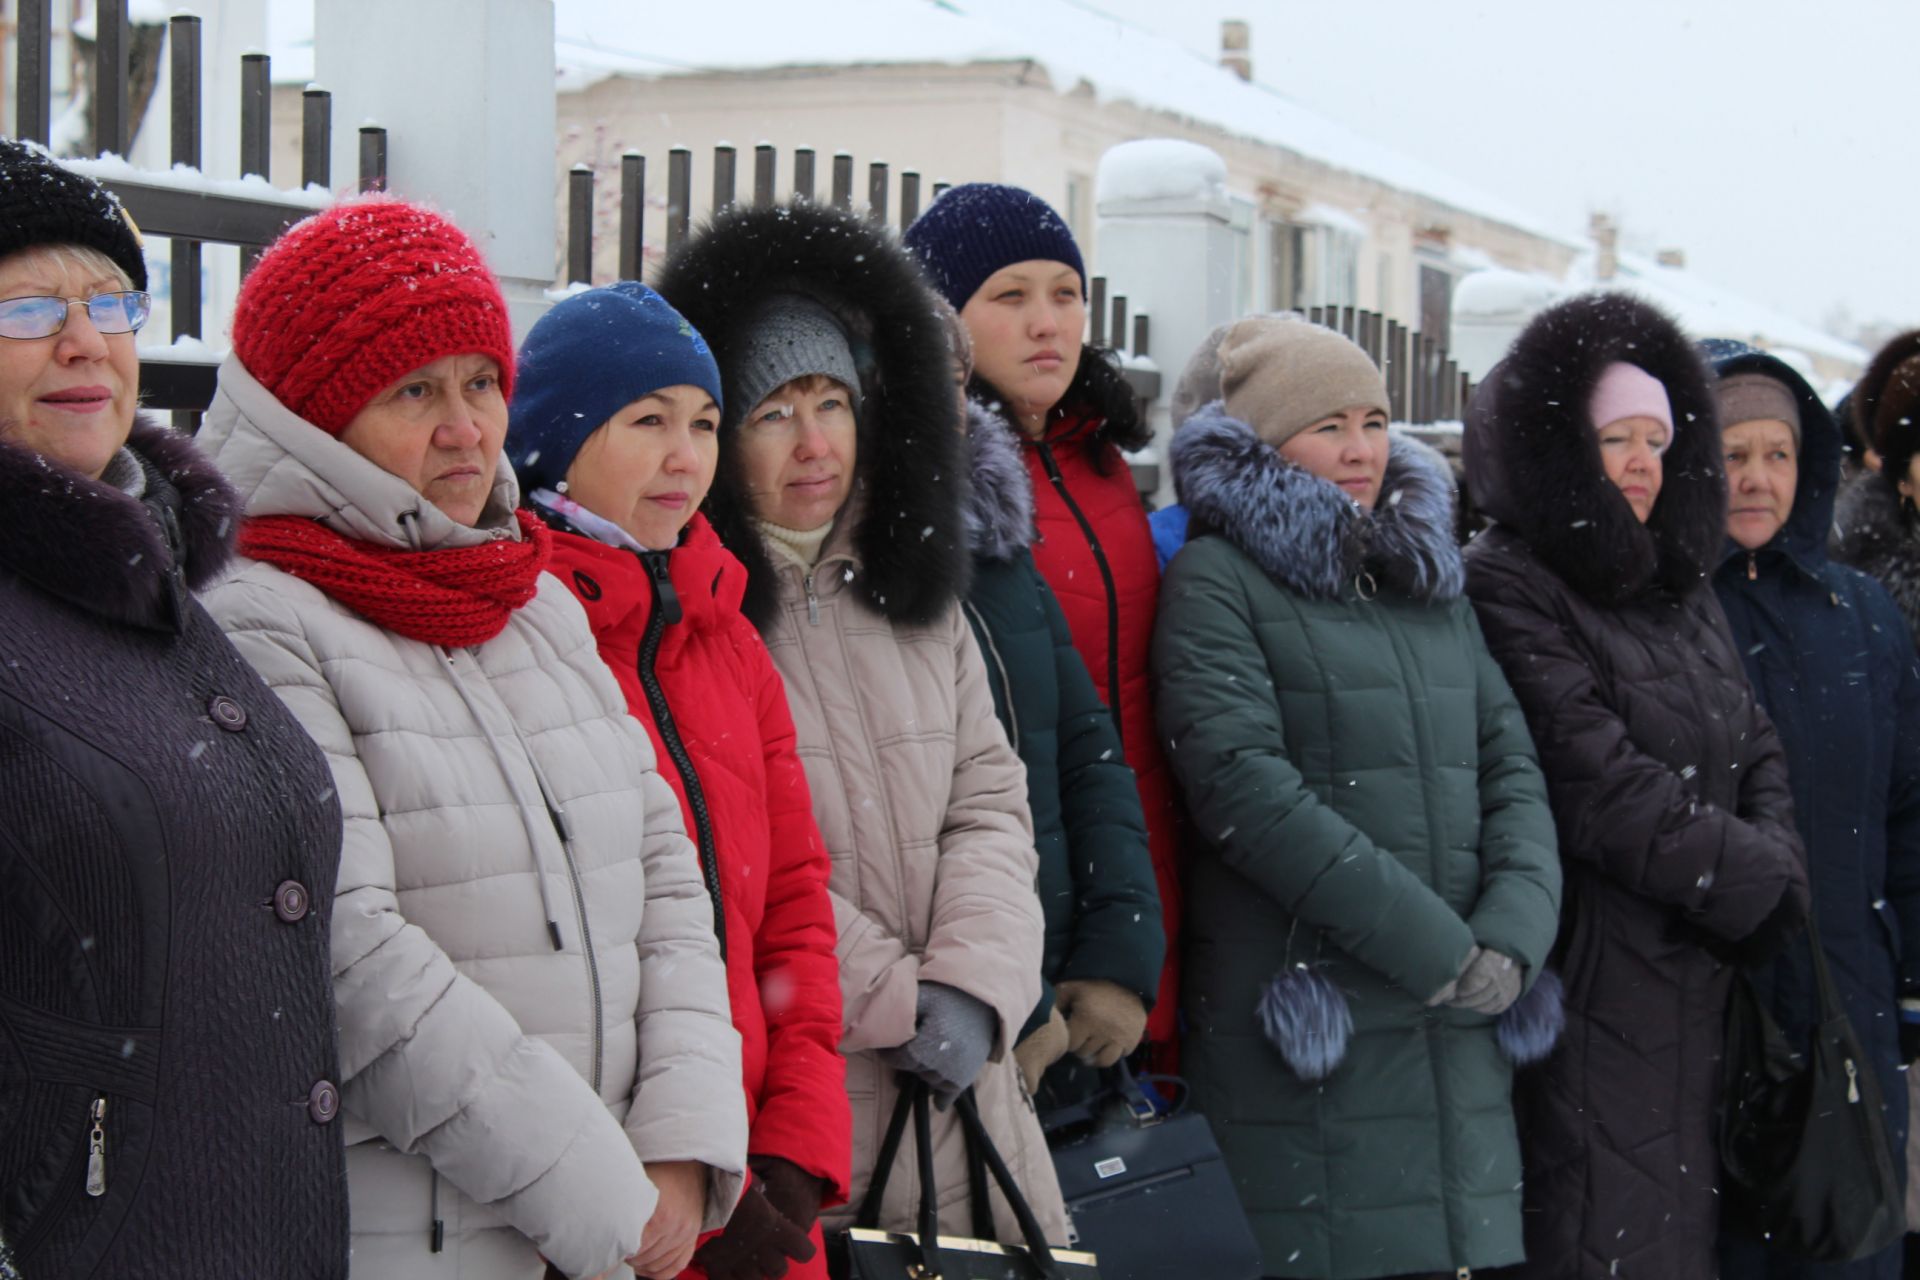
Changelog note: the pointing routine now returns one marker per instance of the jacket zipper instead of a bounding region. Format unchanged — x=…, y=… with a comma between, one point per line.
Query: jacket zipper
x=666, y=612
x=1106, y=578
x=1753, y=568
x=813, y=601
x=97, y=1147
x=564, y=830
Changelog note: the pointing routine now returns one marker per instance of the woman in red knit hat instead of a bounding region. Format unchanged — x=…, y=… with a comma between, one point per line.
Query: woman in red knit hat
x=520, y=931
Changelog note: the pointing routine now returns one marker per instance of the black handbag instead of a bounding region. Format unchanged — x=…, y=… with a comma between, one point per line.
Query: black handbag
x=1803, y=1140
x=865, y=1253
x=1149, y=1192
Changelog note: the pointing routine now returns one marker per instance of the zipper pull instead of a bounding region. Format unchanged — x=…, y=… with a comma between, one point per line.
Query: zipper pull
x=1753, y=569
x=97, y=1150
x=1853, y=1082
x=813, y=603
x=665, y=598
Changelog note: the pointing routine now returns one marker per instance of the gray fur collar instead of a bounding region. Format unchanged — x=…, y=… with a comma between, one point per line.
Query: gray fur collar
x=999, y=510
x=1303, y=532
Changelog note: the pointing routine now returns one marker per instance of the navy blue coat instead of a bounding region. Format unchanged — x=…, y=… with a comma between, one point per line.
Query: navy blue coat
x=1832, y=662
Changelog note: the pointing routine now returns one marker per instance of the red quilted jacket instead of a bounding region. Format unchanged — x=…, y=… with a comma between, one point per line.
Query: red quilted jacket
x=719, y=722
x=1096, y=552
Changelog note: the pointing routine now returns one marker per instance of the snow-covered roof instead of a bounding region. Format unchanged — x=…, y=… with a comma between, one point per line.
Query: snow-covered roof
x=1074, y=41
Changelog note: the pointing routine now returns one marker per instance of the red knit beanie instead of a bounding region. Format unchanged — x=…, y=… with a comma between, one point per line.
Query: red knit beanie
x=354, y=297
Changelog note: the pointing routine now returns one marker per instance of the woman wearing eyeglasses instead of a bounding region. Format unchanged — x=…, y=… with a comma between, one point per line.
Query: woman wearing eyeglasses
x=168, y=833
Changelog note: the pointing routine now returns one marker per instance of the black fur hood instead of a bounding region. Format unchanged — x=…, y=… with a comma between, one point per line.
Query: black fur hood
x=1306, y=534
x=909, y=475
x=1533, y=459
x=999, y=489
x=94, y=546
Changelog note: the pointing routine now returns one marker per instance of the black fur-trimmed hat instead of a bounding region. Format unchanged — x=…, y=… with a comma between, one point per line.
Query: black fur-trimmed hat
x=42, y=202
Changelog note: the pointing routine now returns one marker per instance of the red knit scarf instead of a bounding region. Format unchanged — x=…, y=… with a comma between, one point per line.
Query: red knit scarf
x=458, y=597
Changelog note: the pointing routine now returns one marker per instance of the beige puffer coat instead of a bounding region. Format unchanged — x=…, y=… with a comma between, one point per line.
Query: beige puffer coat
x=471, y=1048
x=923, y=806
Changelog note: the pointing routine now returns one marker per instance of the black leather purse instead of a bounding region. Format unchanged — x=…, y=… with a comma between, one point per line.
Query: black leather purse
x=1803, y=1139
x=1129, y=1167
x=865, y=1253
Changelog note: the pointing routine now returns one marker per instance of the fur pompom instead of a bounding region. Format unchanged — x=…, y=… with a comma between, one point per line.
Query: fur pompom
x=1531, y=1026
x=1307, y=1020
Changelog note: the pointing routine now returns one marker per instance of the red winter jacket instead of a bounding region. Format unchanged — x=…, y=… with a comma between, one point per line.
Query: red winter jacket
x=719, y=722
x=1096, y=552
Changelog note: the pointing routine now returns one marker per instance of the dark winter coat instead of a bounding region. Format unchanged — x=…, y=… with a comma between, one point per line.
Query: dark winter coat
x=697, y=675
x=1875, y=529
x=168, y=843
x=1369, y=806
x=1096, y=878
x=1832, y=663
x=1096, y=552
x=1668, y=783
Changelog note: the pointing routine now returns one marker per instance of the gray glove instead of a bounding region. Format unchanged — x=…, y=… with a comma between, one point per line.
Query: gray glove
x=952, y=1038
x=1446, y=994
x=1490, y=983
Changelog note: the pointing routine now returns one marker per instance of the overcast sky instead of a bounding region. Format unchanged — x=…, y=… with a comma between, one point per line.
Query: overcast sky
x=1773, y=140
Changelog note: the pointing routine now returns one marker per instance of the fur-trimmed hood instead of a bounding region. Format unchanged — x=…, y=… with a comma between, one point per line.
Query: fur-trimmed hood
x=911, y=543
x=92, y=545
x=1803, y=538
x=1533, y=458
x=999, y=491
x=1306, y=534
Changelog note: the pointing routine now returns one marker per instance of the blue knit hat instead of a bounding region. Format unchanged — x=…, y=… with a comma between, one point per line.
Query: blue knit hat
x=974, y=230
x=587, y=358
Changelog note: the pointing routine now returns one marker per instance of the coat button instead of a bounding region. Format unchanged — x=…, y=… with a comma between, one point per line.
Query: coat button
x=227, y=713
x=291, y=901
x=323, y=1102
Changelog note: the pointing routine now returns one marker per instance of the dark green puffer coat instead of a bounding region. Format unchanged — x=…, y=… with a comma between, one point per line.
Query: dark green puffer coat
x=1096, y=877
x=1369, y=805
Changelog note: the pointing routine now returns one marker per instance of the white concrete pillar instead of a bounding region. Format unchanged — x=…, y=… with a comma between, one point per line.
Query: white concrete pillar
x=465, y=90
x=1167, y=239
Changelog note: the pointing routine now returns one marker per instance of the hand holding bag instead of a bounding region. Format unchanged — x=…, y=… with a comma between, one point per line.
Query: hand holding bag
x=1802, y=1138
x=865, y=1253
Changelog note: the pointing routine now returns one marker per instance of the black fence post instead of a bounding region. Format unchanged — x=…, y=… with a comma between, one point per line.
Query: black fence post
x=256, y=114
x=877, y=191
x=111, y=38
x=941, y=188
x=373, y=158
x=842, y=180
x=679, y=195
x=316, y=138
x=1097, y=310
x=909, y=198
x=1119, y=323
x=183, y=46
x=803, y=175
x=580, y=224
x=723, y=176
x=765, y=161
x=633, y=214
x=33, y=63
x=1140, y=334
x=1397, y=370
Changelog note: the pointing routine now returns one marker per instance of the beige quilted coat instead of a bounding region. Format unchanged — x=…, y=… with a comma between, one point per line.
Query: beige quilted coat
x=923, y=806
x=472, y=1050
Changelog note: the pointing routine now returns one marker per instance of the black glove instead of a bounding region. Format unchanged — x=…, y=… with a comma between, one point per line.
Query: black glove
x=795, y=1192
x=757, y=1244
x=1782, y=925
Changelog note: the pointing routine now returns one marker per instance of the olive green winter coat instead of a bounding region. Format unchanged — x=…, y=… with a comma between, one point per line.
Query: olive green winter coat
x=1369, y=805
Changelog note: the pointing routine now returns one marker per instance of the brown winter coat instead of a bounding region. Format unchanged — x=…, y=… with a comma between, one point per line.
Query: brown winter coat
x=1668, y=785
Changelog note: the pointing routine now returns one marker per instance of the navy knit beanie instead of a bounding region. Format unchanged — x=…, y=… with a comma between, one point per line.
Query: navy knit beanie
x=586, y=359
x=974, y=230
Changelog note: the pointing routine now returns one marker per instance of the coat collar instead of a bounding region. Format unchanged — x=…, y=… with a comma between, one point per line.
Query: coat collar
x=283, y=465
x=129, y=560
x=999, y=510
x=614, y=584
x=1302, y=531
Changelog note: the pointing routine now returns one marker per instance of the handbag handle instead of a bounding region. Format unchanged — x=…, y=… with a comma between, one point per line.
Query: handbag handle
x=911, y=1105
x=979, y=1143
x=1830, y=1005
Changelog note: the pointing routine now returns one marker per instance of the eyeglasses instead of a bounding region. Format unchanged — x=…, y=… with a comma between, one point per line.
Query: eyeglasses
x=123, y=311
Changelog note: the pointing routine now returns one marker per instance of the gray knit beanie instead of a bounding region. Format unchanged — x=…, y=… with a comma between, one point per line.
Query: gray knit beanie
x=790, y=337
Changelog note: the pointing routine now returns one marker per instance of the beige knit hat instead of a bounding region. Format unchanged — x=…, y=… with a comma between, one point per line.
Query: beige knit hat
x=1281, y=374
